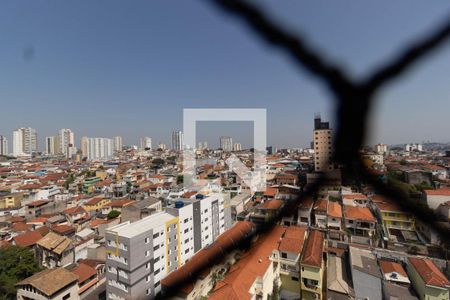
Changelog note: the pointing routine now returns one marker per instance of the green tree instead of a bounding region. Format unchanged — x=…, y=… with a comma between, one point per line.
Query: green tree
x=158, y=161
x=16, y=264
x=180, y=179
x=113, y=214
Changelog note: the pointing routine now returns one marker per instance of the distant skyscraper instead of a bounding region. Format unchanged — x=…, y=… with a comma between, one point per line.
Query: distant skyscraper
x=381, y=148
x=177, y=140
x=162, y=146
x=226, y=143
x=24, y=141
x=237, y=147
x=50, y=145
x=145, y=142
x=118, y=144
x=322, y=145
x=3, y=145
x=96, y=148
x=65, y=141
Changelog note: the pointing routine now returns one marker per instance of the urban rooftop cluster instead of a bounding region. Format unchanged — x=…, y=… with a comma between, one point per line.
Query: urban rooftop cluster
x=109, y=221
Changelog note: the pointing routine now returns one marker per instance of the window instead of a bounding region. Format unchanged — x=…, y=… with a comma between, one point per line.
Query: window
x=157, y=283
x=186, y=230
x=147, y=253
x=186, y=241
x=65, y=297
x=148, y=292
x=157, y=271
x=148, y=278
x=147, y=240
x=186, y=251
x=156, y=235
x=186, y=220
x=294, y=278
x=147, y=265
x=156, y=259
x=283, y=254
x=156, y=248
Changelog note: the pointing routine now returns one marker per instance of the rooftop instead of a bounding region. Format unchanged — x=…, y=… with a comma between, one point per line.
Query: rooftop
x=50, y=281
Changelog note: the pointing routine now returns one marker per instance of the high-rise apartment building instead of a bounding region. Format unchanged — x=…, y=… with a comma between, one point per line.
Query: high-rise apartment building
x=24, y=141
x=96, y=148
x=3, y=145
x=51, y=145
x=237, y=147
x=226, y=143
x=65, y=142
x=177, y=140
x=118, y=144
x=381, y=148
x=322, y=145
x=141, y=254
x=145, y=142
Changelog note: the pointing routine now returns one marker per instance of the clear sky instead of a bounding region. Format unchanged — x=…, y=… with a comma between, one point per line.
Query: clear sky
x=106, y=68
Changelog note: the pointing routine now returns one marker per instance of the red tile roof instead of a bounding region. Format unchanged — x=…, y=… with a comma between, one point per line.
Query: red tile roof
x=253, y=264
x=312, y=255
x=272, y=204
x=74, y=210
x=321, y=205
x=84, y=272
x=390, y=266
x=29, y=238
x=37, y=203
x=293, y=239
x=429, y=273
x=438, y=192
x=358, y=213
x=207, y=256
x=334, y=210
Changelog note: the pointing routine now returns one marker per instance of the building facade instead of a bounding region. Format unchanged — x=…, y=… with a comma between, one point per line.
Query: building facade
x=177, y=140
x=96, y=148
x=24, y=141
x=322, y=145
x=226, y=143
x=3, y=145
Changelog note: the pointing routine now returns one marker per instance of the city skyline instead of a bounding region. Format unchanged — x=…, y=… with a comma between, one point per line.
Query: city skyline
x=87, y=71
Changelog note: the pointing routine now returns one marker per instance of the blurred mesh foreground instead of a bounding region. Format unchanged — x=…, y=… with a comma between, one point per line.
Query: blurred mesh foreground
x=353, y=100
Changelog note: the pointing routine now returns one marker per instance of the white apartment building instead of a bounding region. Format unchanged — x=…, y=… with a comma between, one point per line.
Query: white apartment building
x=142, y=253
x=96, y=148
x=237, y=147
x=3, y=145
x=177, y=140
x=145, y=142
x=118, y=143
x=50, y=145
x=24, y=141
x=226, y=143
x=66, y=141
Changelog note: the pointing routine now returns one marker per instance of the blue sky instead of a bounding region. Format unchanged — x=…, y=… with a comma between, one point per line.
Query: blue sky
x=106, y=68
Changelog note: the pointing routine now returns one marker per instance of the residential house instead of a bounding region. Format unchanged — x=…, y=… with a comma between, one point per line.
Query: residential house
x=141, y=209
x=338, y=283
x=253, y=276
x=54, y=250
x=312, y=266
x=95, y=204
x=360, y=222
x=366, y=274
x=355, y=199
x=50, y=284
x=287, y=256
x=428, y=281
x=434, y=198
x=304, y=211
x=392, y=216
x=334, y=220
x=320, y=213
